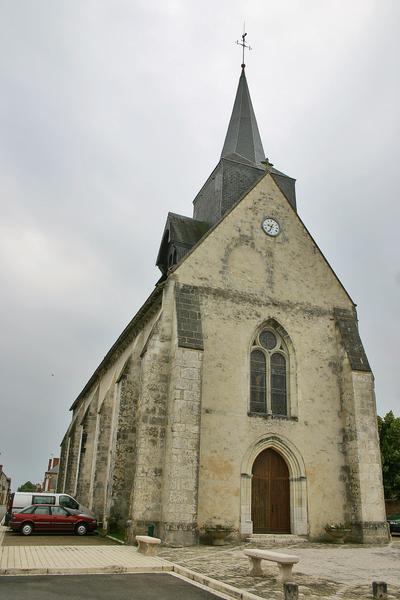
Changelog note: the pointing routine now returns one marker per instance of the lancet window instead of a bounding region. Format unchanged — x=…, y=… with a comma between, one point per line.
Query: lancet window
x=269, y=364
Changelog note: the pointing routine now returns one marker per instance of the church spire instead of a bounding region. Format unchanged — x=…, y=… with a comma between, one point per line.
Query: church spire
x=243, y=142
x=242, y=161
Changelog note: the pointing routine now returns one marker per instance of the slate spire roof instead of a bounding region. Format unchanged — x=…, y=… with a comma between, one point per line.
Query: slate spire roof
x=243, y=142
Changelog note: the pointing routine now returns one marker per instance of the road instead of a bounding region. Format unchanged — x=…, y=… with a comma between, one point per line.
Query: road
x=143, y=586
x=12, y=538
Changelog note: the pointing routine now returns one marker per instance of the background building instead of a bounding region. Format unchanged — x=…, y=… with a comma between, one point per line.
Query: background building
x=51, y=475
x=5, y=490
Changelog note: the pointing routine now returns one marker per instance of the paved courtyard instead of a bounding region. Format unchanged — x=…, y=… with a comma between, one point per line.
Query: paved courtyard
x=42, y=559
x=325, y=570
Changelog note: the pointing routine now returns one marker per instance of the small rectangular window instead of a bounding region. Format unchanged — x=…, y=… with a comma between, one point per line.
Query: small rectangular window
x=43, y=500
x=42, y=510
x=59, y=511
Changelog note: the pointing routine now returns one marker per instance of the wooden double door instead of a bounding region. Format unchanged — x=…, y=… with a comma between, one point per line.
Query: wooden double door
x=270, y=494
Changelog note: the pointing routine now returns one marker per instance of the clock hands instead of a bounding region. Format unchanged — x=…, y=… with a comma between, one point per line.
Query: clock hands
x=271, y=227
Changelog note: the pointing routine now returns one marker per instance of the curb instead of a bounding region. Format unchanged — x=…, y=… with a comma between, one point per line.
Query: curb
x=214, y=584
x=114, y=539
x=111, y=569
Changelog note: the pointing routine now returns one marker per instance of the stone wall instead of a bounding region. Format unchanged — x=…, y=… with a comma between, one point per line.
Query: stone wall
x=362, y=472
x=244, y=279
x=101, y=440
x=102, y=454
x=174, y=446
x=150, y=430
x=88, y=430
x=74, y=437
x=124, y=465
x=62, y=464
x=180, y=483
x=188, y=317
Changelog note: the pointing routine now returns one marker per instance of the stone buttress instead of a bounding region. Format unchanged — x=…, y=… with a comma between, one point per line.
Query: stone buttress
x=363, y=472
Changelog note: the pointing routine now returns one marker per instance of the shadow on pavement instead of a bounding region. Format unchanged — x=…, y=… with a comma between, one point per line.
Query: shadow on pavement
x=143, y=586
x=12, y=538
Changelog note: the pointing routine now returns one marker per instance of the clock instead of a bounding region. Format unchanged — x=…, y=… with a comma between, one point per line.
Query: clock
x=271, y=227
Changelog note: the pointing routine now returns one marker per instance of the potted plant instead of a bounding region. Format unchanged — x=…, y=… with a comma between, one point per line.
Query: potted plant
x=217, y=532
x=337, y=532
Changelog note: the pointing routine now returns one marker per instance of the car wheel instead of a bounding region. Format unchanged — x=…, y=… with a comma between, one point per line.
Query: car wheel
x=81, y=529
x=26, y=528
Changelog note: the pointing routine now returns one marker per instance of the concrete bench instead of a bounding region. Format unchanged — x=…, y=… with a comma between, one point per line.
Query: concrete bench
x=147, y=545
x=285, y=562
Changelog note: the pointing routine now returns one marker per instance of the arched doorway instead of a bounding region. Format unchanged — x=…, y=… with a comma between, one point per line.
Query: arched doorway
x=270, y=493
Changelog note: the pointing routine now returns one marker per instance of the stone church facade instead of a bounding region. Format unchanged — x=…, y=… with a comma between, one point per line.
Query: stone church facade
x=240, y=393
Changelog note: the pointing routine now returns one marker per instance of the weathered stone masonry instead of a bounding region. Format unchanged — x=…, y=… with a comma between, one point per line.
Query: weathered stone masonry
x=360, y=439
x=88, y=429
x=124, y=466
x=188, y=317
x=150, y=439
x=165, y=432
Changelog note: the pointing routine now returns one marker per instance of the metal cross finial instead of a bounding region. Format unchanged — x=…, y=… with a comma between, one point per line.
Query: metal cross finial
x=244, y=45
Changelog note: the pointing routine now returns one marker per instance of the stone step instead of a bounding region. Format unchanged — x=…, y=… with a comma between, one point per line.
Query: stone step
x=276, y=538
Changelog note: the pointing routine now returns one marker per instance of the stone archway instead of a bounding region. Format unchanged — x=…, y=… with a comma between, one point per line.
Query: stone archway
x=297, y=483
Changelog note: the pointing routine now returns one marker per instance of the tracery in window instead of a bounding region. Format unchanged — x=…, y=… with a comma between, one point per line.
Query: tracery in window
x=269, y=363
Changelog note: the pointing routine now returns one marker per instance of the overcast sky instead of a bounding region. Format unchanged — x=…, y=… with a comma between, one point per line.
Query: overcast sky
x=114, y=112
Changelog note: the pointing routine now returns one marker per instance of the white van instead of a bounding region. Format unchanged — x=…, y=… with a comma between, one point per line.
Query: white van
x=20, y=500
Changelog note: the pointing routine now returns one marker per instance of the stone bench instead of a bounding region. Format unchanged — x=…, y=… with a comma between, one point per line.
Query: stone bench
x=285, y=562
x=147, y=545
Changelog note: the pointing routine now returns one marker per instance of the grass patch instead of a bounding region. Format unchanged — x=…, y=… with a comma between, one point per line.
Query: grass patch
x=118, y=535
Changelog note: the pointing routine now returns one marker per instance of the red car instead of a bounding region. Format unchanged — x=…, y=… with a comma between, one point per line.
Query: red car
x=47, y=517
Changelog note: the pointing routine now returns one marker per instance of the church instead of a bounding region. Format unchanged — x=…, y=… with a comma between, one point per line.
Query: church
x=239, y=395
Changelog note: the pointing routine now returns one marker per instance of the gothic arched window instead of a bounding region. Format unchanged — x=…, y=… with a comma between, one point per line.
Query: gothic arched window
x=269, y=363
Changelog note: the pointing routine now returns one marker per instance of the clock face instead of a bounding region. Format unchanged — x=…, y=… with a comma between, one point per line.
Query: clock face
x=271, y=227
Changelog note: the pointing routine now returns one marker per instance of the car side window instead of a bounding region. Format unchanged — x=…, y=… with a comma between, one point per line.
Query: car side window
x=68, y=502
x=43, y=500
x=28, y=511
x=41, y=510
x=59, y=511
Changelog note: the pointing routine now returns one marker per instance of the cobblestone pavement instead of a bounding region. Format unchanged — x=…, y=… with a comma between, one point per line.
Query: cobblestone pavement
x=327, y=571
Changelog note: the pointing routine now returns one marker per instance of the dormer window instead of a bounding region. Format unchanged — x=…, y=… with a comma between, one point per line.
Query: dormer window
x=172, y=257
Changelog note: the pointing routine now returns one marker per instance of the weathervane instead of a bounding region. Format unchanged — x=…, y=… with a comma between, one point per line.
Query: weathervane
x=244, y=45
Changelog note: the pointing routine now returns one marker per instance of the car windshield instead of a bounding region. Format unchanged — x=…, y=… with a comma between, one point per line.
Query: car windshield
x=68, y=502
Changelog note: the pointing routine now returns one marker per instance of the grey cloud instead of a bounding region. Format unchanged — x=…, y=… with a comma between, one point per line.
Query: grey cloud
x=113, y=113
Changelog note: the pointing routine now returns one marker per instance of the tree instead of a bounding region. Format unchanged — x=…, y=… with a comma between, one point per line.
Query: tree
x=28, y=486
x=389, y=441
